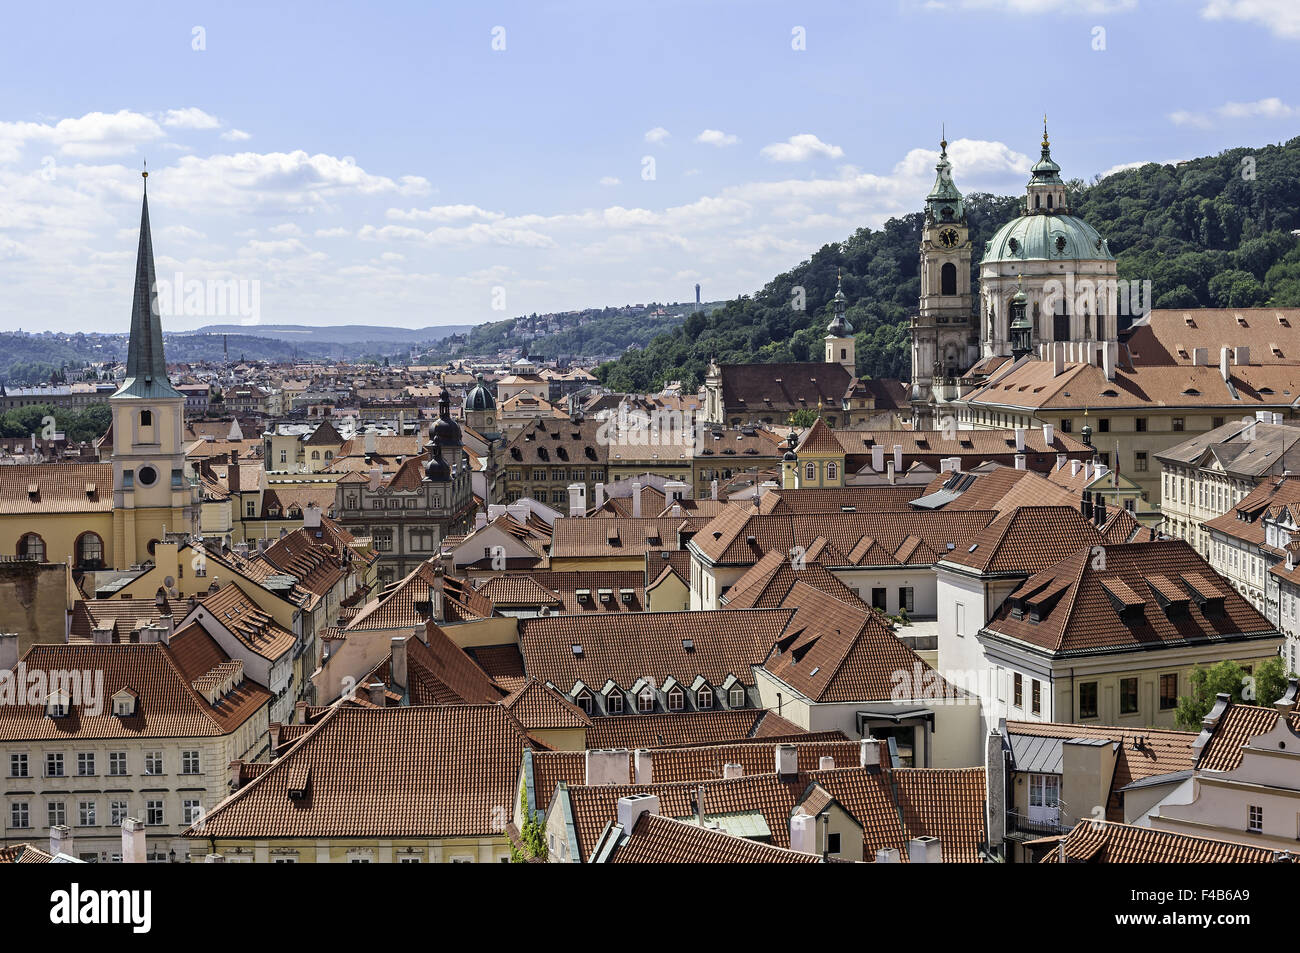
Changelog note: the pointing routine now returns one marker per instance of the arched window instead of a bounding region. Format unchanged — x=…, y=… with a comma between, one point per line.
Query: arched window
x=704, y=697
x=1049, y=201
x=676, y=700
x=90, y=551
x=1038, y=201
x=146, y=418
x=32, y=546
x=948, y=279
x=315, y=454
x=810, y=471
x=832, y=471
x=329, y=454
x=645, y=702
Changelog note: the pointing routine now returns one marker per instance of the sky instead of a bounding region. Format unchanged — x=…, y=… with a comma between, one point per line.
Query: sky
x=421, y=164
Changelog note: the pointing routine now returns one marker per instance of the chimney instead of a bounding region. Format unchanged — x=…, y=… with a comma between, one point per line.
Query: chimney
x=995, y=788
x=100, y=635
x=890, y=473
x=945, y=465
x=1109, y=353
x=1241, y=355
x=869, y=752
x=1020, y=440
x=888, y=855
x=214, y=859
x=133, y=846
x=600, y=495
x=1087, y=473
x=61, y=840
x=1020, y=461
x=733, y=770
x=924, y=850
x=713, y=488
x=1287, y=703
x=607, y=766
x=699, y=805
x=1074, y=467
x=1058, y=358
x=577, y=499
x=643, y=762
x=273, y=732
x=232, y=473
x=1049, y=434
x=1224, y=356
x=370, y=441
x=1061, y=460
x=300, y=712
x=1085, y=505
x=480, y=520
x=878, y=457
x=311, y=516
x=787, y=762
x=234, y=770
x=397, y=664
x=631, y=808
x=636, y=500
x=376, y=693
x=1060, y=851
x=898, y=458
x=1200, y=357
x=825, y=763
x=803, y=833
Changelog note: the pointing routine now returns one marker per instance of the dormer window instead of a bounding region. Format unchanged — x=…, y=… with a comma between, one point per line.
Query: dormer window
x=57, y=704
x=583, y=701
x=614, y=702
x=736, y=697
x=676, y=700
x=645, y=701
x=704, y=698
x=124, y=703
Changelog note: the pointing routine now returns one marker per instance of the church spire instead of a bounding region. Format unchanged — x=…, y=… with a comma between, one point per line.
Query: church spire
x=944, y=203
x=146, y=367
x=839, y=326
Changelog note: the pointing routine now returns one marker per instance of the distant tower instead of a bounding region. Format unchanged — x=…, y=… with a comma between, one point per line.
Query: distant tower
x=697, y=296
x=840, y=346
x=790, y=462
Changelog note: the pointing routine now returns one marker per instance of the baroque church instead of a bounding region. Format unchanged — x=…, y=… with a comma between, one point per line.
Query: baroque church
x=1034, y=279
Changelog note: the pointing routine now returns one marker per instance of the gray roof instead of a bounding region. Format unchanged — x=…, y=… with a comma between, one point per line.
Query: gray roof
x=1038, y=755
x=146, y=367
x=1274, y=448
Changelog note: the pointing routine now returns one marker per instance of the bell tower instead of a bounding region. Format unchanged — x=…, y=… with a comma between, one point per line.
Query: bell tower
x=151, y=495
x=840, y=346
x=942, y=329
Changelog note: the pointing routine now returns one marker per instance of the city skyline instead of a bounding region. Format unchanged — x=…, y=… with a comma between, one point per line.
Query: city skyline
x=770, y=136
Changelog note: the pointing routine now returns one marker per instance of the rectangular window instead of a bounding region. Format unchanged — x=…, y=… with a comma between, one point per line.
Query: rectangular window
x=1067, y=426
x=1168, y=691
x=189, y=762
x=1216, y=422
x=905, y=598
x=1037, y=697
x=153, y=811
x=1128, y=696
x=833, y=843
x=1254, y=818
x=153, y=762
x=53, y=765
x=20, y=814
x=85, y=763
x=961, y=619
x=86, y=814
x=18, y=766
x=190, y=811
x=1087, y=699
x=1140, y=461
x=1179, y=425
x=56, y=813
x=1018, y=690
x=116, y=812
x=1103, y=425
x=1140, y=424
x=117, y=763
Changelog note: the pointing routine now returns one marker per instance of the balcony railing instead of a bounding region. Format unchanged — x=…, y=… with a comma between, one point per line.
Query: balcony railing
x=1039, y=827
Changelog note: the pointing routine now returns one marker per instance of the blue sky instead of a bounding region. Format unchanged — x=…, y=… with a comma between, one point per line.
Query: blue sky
x=388, y=165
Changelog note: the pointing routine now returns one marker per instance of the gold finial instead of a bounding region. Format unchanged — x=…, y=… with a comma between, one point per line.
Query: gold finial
x=1045, y=142
x=943, y=138
x=144, y=174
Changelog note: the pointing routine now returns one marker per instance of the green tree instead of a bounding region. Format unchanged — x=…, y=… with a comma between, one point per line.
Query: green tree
x=1265, y=686
x=532, y=835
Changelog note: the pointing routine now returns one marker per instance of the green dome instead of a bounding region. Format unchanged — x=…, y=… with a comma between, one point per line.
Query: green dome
x=1048, y=238
x=479, y=397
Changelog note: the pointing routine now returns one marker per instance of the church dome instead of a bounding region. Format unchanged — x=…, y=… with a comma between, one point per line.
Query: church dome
x=1046, y=238
x=479, y=397
x=437, y=470
x=445, y=431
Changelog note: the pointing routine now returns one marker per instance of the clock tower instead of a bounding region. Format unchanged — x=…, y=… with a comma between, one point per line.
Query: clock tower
x=942, y=347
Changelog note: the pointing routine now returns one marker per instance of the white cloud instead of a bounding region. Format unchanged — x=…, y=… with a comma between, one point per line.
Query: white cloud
x=800, y=148
x=716, y=137
x=190, y=118
x=444, y=213
x=609, y=180
x=339, y=232
x=93, y=135
x=1023, y=7
x=288, y=228
x=657, y=134
x=1268, y=108
x=236, y=135
x=1279, y=17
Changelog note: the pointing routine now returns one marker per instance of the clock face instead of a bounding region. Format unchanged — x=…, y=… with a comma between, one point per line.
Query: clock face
x=948, y=238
